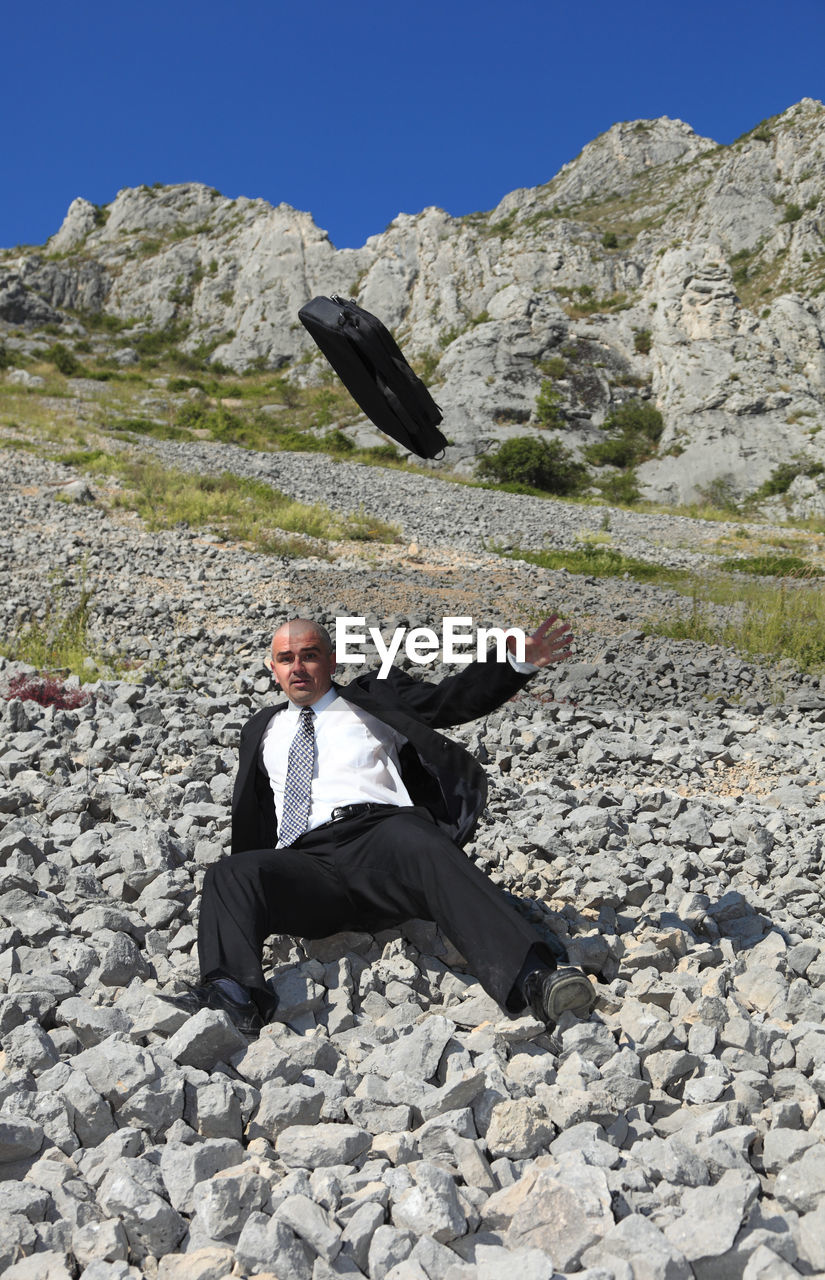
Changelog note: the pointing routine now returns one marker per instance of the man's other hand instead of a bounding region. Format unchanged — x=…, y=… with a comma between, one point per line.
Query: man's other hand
x=548, y=643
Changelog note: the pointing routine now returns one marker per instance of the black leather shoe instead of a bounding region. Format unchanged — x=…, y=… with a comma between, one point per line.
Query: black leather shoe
x=245, y=1016
x=552, y=992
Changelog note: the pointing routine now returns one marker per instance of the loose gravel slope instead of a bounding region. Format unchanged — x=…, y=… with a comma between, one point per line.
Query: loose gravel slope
x=660, y=807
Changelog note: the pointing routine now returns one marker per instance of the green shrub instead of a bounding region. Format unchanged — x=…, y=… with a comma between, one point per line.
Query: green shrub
x=157, y=341
x=287, y=391
x=720, y=494
x=783, y=476
x=610, y=240
x=64, y=360
x=638, y=416
x=792, y=213
x=540, y=464
x=184, y=384
x=5, y=358
x=379, y=453
x=615, y=451
x=548, y=403
x=641, y=341
x=634, y=429
x=425, y=366
x=622, y=488
x=193, y=415
x=337, y=442
x=554, y=366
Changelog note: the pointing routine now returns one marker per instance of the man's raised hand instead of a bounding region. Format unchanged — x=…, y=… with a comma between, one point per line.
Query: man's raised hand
x=548, y=643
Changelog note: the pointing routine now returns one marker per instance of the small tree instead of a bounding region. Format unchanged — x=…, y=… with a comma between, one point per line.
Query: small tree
x=539, y=464
x=63, y=360
x=548, y=401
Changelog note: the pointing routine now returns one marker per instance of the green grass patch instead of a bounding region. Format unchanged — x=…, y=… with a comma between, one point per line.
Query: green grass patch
x=771, y=566
x=770, y=621
x=57, y=640
x=595, y=560
x=236, y=507
x=147, y=427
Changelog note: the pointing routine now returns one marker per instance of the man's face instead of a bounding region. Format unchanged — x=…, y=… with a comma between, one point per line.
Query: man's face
x=301, y=663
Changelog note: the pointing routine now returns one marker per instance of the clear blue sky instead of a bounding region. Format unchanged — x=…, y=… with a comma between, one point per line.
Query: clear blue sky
x=359, y=111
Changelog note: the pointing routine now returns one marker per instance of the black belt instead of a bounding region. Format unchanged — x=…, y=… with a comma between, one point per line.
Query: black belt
x=355, y=810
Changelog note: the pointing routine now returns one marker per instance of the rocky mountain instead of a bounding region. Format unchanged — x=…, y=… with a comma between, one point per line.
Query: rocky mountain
x=655, y=266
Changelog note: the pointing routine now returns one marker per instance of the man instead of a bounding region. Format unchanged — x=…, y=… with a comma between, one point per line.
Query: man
x=348, y=812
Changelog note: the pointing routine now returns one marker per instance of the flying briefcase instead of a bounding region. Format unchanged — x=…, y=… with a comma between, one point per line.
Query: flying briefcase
x=367, y=359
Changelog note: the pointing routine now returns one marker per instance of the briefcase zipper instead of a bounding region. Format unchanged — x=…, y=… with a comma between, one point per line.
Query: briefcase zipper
x=344, y=315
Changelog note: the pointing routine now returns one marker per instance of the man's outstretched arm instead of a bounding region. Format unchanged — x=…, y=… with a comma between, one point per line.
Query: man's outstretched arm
x=480, y=687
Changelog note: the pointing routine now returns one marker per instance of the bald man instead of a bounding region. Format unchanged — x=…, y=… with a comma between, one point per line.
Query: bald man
x=349, y=812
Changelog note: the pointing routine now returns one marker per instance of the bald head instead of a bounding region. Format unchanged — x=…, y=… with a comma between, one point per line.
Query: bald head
x=302, y=660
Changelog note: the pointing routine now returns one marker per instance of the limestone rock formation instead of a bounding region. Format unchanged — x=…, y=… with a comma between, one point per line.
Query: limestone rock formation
x=656, y=265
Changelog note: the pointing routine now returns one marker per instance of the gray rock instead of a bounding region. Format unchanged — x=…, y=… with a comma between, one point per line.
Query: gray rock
x=712, y=1217
x=214, y=1110
x=184, y=1167
x=226, y=1200
x=28, y=1048
x=811, y=1238
x=416, y=1054
x=312, y=1224
x=282, y=1106
x=151, y=1224
x=122, y=962
x=208, y=1037
x=155, y=1107
x=266, y=1243
x=359, y=1232
x=318, y=1145
x=92, y=1023
x=801, y=1186
x=563, y=1215
x=48, y=1265
x=100, y=1240
x=638, y=1241
x=116, y=1069
x=432, y=1206
x=389, y=1247
x=518, y=1129
x=494, y=1262
x=19, y=1138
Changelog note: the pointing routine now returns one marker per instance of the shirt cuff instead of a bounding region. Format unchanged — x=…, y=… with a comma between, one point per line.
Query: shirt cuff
x=523, y=668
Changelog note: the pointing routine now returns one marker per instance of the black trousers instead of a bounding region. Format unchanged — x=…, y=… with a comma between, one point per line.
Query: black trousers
x=365, y=873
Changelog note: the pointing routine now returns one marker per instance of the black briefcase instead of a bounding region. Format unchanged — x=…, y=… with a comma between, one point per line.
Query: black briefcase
x=367, y=359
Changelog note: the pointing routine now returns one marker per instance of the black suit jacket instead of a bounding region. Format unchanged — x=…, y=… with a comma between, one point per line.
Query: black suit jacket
x=437, y=772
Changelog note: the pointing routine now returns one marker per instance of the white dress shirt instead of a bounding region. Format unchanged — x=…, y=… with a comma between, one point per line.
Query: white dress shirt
x=356, y=758
x=356, y=755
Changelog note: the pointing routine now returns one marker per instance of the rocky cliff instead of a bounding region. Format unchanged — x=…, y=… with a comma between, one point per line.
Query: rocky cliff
x=656, y=265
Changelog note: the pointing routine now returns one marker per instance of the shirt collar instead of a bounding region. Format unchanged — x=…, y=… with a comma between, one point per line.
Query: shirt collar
x=292, y=711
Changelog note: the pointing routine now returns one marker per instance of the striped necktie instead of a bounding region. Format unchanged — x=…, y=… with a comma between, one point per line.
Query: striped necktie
x=298, y=784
